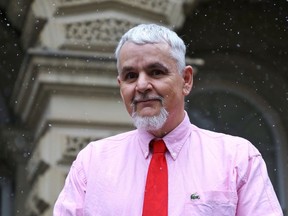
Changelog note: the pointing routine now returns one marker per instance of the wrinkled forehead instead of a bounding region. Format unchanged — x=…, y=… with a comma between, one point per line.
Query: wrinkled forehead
x=135, y=55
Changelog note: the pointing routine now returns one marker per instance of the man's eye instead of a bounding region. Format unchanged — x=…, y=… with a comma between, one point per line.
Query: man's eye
x=130, y=75
x=156, y=72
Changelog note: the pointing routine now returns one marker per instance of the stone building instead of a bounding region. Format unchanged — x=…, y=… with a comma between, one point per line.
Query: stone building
x=59, y=90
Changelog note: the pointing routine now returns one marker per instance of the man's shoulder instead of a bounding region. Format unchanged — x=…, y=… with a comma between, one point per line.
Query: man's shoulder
x=222, y=140
x=119, y=136
x=224, y=145
x=116, y=138
x=107, y=144
x=216, y=135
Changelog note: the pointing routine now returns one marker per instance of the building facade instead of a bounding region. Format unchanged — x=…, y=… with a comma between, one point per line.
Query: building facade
x=59, y=87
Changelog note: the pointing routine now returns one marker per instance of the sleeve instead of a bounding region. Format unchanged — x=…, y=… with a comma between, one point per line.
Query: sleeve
x=256, y=195
x=70, y=199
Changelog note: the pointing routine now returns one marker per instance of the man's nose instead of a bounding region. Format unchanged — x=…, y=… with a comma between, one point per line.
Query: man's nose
x=143, y=82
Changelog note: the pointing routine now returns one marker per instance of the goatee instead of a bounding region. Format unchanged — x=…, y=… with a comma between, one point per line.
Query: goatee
x=150, y=123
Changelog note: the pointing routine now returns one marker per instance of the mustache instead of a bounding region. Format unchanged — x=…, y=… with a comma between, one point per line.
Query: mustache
x=143, y=98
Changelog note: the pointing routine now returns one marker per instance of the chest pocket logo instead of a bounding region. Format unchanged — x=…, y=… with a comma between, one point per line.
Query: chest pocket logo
x=216, y=203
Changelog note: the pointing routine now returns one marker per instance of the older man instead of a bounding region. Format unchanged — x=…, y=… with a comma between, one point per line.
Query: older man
x=167, y=166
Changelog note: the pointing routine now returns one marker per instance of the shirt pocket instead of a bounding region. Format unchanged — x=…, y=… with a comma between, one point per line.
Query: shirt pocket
x=212, y=203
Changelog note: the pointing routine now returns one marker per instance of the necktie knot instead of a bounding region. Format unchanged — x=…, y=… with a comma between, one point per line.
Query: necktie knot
x=159, y=146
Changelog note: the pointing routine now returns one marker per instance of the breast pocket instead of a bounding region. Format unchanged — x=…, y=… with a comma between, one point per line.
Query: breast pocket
x=212, y=203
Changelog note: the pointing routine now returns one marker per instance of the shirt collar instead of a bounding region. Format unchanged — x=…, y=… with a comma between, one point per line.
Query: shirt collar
x=173, y=140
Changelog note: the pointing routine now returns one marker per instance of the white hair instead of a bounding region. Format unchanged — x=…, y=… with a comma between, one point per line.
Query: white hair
x=153, y=34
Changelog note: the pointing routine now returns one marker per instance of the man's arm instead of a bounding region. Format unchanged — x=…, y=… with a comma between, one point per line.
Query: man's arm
x=256, y=195
x=70, y=200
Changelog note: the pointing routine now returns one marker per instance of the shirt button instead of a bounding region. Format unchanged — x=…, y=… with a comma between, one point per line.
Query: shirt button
x=173, y=154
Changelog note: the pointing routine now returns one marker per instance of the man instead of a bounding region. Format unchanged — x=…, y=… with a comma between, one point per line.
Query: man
x=202, y=172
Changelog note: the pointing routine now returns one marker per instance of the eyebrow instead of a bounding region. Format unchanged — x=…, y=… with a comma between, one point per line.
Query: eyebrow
x=126, y=68
x=151, y=66
x=157, y=66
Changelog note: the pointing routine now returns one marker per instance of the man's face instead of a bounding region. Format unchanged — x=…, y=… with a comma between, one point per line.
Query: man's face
x=149, y=80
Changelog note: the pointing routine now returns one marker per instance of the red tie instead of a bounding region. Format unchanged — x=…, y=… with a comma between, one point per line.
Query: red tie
x=156, y=191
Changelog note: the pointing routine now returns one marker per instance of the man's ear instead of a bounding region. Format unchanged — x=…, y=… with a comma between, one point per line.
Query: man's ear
x=119, y=83
x=188, y=79
x=118, y=80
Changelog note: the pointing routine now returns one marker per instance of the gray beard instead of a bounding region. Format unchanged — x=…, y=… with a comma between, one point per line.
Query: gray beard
x=150, y=123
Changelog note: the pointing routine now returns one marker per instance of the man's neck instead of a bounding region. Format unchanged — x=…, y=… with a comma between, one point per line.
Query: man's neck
x=169, y=126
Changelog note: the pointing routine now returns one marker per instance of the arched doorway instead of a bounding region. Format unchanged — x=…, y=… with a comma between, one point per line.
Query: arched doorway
x=224, y=107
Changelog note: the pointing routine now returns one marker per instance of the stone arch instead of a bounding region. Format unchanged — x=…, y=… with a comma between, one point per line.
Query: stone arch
x=220, y=101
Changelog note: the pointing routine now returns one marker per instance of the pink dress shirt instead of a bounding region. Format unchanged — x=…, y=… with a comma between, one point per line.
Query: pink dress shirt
x=209, y=174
